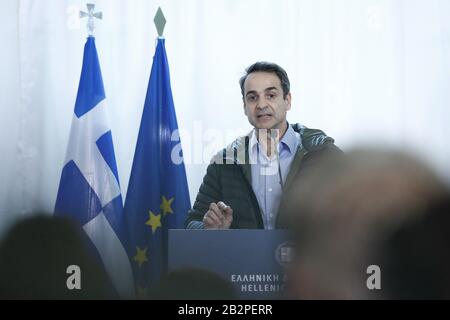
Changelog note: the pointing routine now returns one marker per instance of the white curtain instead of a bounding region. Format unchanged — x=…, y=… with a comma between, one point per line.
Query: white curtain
x=368, y=72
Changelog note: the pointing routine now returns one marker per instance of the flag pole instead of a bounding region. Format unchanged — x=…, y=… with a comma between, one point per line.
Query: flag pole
x=157, y=197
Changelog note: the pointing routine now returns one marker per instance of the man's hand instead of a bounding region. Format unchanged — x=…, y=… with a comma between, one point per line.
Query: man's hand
x=219, y=216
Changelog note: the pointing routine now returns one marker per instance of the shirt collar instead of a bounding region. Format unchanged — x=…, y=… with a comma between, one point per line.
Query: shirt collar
x=289, y=141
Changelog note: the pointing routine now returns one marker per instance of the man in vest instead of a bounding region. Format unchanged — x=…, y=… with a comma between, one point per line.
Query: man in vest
x=246, y=182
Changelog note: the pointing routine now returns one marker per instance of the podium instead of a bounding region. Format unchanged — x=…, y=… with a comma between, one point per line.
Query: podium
x=252, y=260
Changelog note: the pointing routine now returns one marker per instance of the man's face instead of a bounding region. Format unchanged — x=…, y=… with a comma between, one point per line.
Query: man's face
x=264, y=104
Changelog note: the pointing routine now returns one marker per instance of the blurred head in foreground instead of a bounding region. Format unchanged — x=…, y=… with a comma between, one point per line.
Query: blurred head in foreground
x=35, y=255
x=193, y=284
x=371, y=208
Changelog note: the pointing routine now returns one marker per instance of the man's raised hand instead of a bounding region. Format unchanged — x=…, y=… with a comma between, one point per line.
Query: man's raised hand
x=219, y=216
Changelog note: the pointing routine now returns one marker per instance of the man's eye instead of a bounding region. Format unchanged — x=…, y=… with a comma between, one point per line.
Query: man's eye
x=251, y=98
x=271, y=96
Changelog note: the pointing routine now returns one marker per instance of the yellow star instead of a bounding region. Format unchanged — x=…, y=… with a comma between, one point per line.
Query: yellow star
x=154, y=221
x=141, y=256
x=165, y=205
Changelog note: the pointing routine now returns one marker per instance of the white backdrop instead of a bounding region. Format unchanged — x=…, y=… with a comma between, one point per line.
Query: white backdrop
x=368, y=72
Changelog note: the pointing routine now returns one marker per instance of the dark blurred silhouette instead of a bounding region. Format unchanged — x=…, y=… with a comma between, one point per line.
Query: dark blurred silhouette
x=193, y=284
x=370, y=208
x=35, y=255
x=415, y=258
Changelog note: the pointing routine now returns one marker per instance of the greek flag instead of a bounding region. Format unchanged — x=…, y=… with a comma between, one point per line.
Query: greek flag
x=89, y=190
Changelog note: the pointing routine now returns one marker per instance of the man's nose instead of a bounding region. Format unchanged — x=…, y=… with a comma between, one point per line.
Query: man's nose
x=262, y=103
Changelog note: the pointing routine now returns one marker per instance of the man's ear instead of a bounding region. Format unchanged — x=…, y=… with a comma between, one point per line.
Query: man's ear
x=245, y=109
x=288, y=101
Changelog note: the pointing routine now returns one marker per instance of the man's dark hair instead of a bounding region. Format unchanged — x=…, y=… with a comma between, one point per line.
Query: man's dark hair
x=415, y=259
x=35, y=254
x=263, y=66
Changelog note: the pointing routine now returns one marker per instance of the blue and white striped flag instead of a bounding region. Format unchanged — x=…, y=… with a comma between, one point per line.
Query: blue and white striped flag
x=89, y=190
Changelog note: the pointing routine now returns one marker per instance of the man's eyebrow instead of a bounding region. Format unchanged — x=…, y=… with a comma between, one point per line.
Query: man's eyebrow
x=267, y=89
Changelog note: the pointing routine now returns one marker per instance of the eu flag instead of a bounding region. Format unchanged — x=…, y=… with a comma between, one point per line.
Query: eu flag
x=89, y=190
x=157, y=198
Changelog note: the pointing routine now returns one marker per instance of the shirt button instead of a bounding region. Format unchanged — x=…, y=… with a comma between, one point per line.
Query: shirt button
x=270, y=189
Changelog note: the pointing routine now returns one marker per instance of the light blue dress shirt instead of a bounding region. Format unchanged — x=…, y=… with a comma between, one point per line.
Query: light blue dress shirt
x=266, y=180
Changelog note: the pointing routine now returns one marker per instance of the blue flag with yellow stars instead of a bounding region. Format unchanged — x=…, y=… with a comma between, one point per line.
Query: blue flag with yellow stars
x=158, y=197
